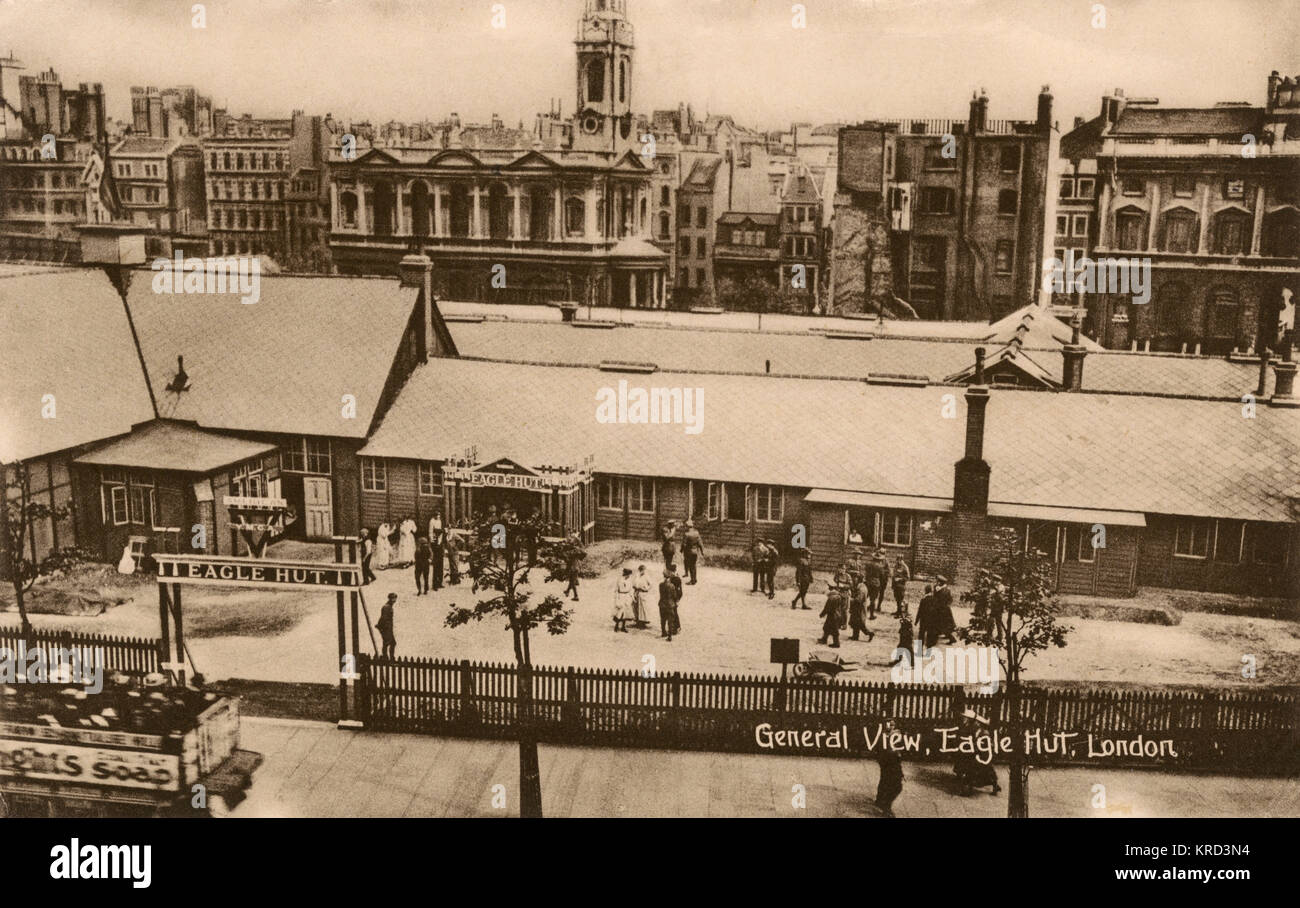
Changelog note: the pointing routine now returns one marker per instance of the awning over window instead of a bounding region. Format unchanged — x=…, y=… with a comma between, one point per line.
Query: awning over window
x=1067, y=515
x=877, y=500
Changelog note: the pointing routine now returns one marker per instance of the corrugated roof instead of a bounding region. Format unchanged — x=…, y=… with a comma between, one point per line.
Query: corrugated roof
x=64, y=332
x=281, y=364
x=1102, y=452
x=808, y=353
x=165, y=445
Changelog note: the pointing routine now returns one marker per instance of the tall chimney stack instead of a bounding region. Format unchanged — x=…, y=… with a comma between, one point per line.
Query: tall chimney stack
x=416, y=270
x=1284, y=378
x=971, y=476
x=1074, y=352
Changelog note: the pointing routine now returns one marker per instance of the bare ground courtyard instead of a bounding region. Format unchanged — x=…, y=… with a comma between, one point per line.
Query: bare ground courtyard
x=292, y=636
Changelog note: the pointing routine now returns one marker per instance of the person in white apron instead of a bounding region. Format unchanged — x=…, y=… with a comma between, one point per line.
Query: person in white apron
x=406, y=543
x=383, y=547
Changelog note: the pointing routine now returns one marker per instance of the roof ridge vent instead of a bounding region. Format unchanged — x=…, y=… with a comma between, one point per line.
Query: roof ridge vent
x=898, y=379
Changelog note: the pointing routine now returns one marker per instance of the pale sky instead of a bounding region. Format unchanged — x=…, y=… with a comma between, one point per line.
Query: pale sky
x=856, y=59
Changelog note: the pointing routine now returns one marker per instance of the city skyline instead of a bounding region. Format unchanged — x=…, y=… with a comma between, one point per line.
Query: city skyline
x=813, y=74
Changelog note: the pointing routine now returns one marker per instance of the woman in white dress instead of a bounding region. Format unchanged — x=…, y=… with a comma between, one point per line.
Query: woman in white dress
x=406, y=543
x=383, y=547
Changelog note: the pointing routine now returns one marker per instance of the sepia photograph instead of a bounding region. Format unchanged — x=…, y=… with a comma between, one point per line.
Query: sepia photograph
x=418, y=408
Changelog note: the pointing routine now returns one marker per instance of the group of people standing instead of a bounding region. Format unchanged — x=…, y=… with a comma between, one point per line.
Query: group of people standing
x=856, y=594
x=428, y=554
x=632, y=596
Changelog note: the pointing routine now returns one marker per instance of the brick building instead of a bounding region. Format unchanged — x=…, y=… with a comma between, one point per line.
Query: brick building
x=942, y=218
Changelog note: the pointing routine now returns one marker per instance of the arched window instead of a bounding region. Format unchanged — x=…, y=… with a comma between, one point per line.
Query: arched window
x=596, y=81
x=643, y=222
x=1182, y=231
x=664, y=225
x=575, y=217
x=1130, y=229
x=1232, y=232
x=622, y=81
x=1282, y=233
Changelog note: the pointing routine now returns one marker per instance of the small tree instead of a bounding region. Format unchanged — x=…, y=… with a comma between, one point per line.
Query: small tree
x=498, y=558
x=1013, y=610
x=19, y=517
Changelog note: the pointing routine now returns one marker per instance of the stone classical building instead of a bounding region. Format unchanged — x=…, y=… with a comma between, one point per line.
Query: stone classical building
x=561, y=213
x=1210, y=197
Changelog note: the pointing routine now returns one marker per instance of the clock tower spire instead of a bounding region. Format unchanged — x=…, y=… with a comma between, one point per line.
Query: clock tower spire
x=604, y=113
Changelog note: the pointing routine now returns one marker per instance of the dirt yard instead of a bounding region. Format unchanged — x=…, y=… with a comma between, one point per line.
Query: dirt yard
x=292, y=636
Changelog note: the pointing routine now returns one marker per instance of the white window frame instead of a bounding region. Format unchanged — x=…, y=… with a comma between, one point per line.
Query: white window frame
x=1084, y=188
x=759, y=492
x=1062, y=225
x=1193, y=522
x=428, y=469
x=1084, y=544
x=641, y=497
x=897, y=517
x=374, y=474
x=1076, y=220
x=615, y=487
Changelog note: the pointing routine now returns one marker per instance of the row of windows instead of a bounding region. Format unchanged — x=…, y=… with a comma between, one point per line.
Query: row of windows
x=246, y=220
x=1230, y=233
x=1065, y=223
x=1008, y=158
x=1231, y=542
x=374, y=476
x=1078, y=188
x=701, y=215
x=246, y=189
x=56, y=206
x=19, y=180
x=942, y=200
x=928, y=255
x=868, y=526
x=147, y=168
x=224, y=160
x=712, y=500
x=306, y=455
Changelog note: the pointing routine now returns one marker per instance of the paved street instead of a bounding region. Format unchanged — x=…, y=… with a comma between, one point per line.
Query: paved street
x=314, y=769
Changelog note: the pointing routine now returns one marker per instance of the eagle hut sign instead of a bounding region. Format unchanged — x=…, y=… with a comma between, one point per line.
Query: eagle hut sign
x=228, y=571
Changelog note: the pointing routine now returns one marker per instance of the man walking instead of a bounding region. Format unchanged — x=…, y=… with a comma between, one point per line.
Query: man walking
x=857, y=605
x=437, y=540
x=832, y=612
x=571, y=560
x=877, y=576
x=385, y=627
x=759, y=556
x=769, y=567
x=901, y=574
x=367, y=552
x=668, y=599
x=692, y=549
x=891, y=774
x=803, y=578
x=423, y=553
x=453, y=557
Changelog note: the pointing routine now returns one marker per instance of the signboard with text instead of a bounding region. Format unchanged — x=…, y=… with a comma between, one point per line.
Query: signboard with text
x=50, y=761
x=227, y=571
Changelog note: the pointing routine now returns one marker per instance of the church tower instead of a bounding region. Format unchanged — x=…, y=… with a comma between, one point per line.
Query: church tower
x=603, y=121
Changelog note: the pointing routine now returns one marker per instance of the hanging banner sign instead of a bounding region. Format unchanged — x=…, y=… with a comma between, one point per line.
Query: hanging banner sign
x=226, y=571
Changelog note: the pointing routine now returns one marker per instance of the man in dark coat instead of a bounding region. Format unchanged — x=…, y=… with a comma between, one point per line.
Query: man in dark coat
x=669, y=547
x=571, y=560
x=925, y=620
x=877, y=575
x=668, y=598
x=437, y=542
x=891, y=775
x=422, y=555
x=832, y=612
x=945, y=623
x=899, y=576
x=453, y=558
x=769, y=567
x=803, y=577
x=385, y=627
x=759, y=556
x=857, y=607
x=692, y=549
